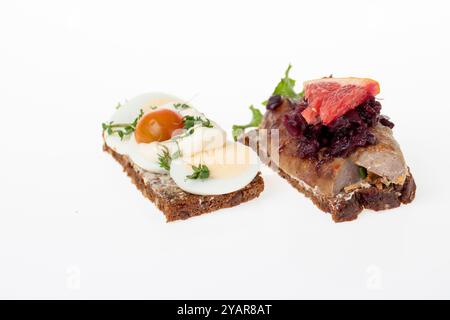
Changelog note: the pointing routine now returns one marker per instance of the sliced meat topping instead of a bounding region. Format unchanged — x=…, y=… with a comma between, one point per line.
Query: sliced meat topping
x=385, y=159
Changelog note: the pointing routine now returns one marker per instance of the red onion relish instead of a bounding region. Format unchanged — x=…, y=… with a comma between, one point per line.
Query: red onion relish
x=341, y=137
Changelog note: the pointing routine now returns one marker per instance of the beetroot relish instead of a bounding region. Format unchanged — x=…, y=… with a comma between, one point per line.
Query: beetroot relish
x=341, y=137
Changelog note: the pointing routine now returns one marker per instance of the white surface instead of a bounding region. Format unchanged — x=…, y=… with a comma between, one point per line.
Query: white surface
x=73, y=226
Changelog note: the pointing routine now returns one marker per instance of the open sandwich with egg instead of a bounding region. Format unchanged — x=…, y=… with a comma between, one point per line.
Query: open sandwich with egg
x=331, y=143
x=180, y=159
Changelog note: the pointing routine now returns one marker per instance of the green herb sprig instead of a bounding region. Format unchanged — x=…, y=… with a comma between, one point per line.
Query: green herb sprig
x=164, y=159
x=285, y=87
x=257, y=117
x=181, y=106
x=190, y=121
x=362, y=172
x=200, y=172
x=122, y=129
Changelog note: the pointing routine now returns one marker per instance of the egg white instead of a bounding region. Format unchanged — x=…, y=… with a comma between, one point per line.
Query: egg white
x=239, y=173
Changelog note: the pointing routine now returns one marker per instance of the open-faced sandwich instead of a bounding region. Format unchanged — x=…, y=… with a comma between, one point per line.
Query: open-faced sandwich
x=331, y=143
x=180, y=159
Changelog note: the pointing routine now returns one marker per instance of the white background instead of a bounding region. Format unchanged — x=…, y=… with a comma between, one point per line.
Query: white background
x=73, y=226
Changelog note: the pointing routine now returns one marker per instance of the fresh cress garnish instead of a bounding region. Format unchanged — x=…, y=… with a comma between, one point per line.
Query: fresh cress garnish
x=164, y=159
x=191, y=121
x=181, y=106
x=200, y=172
x=122, y=129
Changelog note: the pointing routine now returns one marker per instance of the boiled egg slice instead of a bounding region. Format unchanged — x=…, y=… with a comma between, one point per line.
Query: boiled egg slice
x=127, y=113
x=231, y=168
x=161, y=121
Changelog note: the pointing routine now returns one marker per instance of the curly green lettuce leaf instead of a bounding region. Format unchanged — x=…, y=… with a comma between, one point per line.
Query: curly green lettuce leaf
x=257, y=117
x=285, y=87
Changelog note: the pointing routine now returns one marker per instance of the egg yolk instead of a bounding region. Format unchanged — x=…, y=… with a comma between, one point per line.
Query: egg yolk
x=157, y=125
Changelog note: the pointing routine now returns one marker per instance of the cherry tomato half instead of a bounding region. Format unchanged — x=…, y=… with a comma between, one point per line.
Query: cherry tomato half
x=157, y=126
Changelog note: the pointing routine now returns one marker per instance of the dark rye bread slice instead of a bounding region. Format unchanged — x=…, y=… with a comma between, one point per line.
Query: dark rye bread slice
x=345, y=206
x=175, y=203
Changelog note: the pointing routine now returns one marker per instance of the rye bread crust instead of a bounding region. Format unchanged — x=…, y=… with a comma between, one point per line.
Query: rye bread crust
x=347, y=208
x=177, y=204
